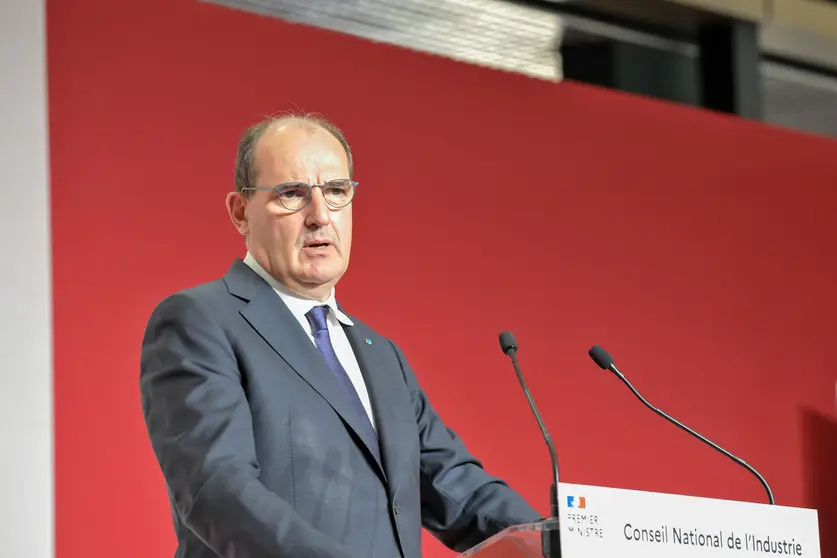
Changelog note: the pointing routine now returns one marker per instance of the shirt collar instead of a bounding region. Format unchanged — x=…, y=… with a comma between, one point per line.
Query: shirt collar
x=298, y=305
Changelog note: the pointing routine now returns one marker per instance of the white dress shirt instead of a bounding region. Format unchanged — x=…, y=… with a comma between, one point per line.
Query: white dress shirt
x=299, y=306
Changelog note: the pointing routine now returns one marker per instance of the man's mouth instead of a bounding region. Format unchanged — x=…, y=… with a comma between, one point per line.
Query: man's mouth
x=318, y=244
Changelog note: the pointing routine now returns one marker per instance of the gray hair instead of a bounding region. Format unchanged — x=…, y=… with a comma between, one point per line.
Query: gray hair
x=246, y=170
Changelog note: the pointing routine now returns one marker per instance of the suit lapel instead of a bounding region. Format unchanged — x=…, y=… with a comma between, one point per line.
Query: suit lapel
x=382, y=382
x=269, y=316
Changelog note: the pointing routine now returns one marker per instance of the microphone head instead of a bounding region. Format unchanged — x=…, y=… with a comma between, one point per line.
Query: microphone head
x=601, y=357
x=507, y=342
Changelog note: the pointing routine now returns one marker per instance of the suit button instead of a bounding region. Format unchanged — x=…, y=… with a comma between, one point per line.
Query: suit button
x=395, y=508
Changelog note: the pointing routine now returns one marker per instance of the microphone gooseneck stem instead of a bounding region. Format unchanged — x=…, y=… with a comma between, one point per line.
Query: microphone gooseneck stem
x=553, y=500
x=703, y=439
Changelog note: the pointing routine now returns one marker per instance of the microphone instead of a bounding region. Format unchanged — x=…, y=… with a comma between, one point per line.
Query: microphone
x=605, y=362
x=551, y=539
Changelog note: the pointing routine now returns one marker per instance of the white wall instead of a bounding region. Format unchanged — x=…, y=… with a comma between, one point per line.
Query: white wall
x=26, y=470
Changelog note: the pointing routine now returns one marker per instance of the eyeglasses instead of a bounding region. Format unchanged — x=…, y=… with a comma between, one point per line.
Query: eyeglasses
x=294, y=196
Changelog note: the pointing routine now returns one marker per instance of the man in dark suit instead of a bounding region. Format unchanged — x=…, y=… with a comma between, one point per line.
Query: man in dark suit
x=283, y=426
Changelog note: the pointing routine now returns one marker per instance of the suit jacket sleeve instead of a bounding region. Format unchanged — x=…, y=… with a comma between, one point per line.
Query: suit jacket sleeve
x=462, y=505
x=199, y=423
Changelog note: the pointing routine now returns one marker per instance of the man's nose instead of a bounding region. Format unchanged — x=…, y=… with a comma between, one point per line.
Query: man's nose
x=318, y=210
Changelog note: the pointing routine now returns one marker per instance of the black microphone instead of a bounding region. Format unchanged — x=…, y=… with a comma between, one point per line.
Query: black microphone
x=551, y=539
x=605, y=362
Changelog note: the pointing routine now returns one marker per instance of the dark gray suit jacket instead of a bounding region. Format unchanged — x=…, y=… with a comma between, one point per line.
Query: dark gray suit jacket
x=263, y=456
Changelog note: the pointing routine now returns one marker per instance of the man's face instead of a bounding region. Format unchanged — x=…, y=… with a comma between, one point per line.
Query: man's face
x=306, y=250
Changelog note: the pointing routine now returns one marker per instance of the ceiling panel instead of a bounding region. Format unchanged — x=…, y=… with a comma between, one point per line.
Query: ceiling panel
x=491, y=33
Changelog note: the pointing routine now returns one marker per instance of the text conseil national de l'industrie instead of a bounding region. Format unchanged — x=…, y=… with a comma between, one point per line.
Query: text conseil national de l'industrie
x=665, y=534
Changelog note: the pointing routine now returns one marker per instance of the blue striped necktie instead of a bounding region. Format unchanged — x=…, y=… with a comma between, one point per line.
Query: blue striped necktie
x=317, y=317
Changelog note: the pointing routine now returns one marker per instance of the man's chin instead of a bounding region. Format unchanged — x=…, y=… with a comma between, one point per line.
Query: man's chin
x=320, y=276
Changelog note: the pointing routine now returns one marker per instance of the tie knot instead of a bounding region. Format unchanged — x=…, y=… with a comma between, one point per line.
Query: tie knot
x=317, y=317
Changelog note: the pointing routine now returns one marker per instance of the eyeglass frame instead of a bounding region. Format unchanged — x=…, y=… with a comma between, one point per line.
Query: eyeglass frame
x=310, y=192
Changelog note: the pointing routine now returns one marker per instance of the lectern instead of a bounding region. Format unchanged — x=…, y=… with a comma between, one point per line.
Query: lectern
x=602, y=522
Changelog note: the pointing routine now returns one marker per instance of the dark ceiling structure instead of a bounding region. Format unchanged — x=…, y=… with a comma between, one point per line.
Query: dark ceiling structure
x=771, y=60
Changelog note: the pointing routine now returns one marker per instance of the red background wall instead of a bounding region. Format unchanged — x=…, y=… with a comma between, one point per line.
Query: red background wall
x=698, y=249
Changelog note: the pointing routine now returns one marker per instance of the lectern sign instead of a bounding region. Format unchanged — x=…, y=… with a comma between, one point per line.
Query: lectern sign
x=606, y=522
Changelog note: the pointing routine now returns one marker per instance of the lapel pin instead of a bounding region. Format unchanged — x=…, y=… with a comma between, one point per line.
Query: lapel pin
x=368, y=341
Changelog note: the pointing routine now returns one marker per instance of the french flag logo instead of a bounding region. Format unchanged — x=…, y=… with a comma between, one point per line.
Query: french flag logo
x=577, y=502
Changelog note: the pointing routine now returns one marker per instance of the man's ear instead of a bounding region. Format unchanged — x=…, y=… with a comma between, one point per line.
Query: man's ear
x=236, y=209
